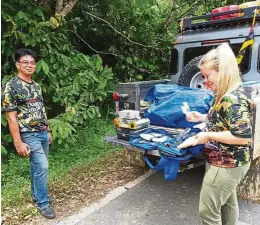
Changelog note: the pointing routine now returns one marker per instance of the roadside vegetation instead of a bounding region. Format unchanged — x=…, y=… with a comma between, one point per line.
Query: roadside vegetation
x=84, y=50
x=78, y=175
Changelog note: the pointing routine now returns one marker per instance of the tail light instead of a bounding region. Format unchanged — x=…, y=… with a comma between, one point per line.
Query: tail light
x=115, y=96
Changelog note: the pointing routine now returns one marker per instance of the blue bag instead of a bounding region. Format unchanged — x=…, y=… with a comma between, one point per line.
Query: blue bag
x=137, y=141
x=170, y=155
x=167, y=100
x=169, y=147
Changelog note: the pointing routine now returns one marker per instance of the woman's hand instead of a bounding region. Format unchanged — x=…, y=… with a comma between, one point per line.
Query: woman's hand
x=195, y=116
x=200, y=138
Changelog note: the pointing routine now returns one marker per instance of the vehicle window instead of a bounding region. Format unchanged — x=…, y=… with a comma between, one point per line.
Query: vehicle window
x=244, y=66
x=174, y=61
x=191, y=53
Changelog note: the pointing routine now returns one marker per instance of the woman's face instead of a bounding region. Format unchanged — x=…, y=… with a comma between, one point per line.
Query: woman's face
x=210, y=77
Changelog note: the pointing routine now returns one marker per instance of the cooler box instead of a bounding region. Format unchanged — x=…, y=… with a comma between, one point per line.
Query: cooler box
x=225, y=9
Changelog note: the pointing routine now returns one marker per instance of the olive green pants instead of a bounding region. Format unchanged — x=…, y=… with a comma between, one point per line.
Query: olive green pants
x=218, y=197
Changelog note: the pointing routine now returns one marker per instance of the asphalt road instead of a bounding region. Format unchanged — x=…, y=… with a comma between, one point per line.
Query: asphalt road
x=155, y=201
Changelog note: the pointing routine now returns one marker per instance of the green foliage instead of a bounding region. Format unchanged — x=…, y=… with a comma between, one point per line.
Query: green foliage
x=6, y=137
x=89, y=146
x=77, y=54
x=69, y=79
x=3, y=150
x=135, y=36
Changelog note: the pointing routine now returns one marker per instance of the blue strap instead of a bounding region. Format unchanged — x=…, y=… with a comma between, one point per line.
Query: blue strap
x=171, y=169
x=159, y=166
x=170, y=166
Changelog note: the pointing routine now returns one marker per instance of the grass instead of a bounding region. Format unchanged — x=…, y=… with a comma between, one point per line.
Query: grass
x=87, y=149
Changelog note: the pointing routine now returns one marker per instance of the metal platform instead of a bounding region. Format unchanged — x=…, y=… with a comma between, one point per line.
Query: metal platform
x=184, y=165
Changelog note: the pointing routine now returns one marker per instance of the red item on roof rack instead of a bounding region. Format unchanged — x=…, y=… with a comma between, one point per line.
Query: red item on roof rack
x=225, y=9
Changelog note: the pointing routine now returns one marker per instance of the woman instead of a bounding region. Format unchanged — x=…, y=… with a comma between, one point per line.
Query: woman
x=228, y=140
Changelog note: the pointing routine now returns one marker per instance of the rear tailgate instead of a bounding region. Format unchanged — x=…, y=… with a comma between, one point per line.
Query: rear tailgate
x=125, y=144
x=184, y=165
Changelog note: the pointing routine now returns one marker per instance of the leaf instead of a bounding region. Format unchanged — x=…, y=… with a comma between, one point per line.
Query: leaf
x=71, y=127
x=26, y=42
x=3, y=120
x=9, y=138
x=99, y=98
x=21, y=15
x=129, y=60
x=102, y=85
x=90, y=115
x=20, y=35
x=33, y=42
x=99, y=63
x=54, y=23
x=54, y=133
x=45, y=67
x=3, y=150
x=85, y=115
x=56, y=66
x=52, y=59
x=91, y=97
x=39, y=66
x=93, y=76
x=61, y=131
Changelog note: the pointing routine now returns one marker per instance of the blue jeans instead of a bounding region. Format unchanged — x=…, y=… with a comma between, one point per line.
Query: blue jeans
x=39, y=146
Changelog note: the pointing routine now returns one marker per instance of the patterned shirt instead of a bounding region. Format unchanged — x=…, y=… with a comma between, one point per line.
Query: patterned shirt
x=25, y=98
x=233, y=113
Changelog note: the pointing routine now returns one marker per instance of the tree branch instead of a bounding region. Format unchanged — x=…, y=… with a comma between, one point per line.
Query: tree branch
x=109, y=53
x=147, y=46
x=188, y=10
x=170, y=16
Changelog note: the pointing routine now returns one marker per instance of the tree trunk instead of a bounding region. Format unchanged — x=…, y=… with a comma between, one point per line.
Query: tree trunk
x=68, y=7
x=249, y=188
x=59, y=5
x=63, y=7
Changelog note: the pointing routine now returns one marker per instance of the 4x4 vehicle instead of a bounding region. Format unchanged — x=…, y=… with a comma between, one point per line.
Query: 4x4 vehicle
x=197, y=35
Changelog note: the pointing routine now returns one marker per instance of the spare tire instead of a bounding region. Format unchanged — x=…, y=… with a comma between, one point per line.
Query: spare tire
x=191, y=75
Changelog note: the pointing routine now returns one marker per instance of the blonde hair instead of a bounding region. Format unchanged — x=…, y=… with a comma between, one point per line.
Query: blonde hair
x=223, y=61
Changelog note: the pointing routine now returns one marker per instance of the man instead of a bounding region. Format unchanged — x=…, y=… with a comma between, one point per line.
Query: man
x=23, y=104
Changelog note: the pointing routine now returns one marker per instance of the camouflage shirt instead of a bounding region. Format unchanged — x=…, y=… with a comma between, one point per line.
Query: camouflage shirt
x=233, y=113
x=26, y=99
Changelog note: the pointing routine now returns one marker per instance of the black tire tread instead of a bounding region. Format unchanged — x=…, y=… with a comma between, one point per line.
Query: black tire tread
x=189, y=70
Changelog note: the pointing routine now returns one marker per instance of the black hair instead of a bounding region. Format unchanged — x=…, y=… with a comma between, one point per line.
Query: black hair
x=22, y=52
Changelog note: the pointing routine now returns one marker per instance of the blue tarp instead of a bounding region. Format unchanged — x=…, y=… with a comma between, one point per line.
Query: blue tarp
x=170, y=154
x=167, y=99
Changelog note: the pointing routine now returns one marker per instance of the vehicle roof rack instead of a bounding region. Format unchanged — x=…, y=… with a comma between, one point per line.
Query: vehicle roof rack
x=204, y=21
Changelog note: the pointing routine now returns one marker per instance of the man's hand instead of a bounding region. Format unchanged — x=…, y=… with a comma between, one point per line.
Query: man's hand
x=200, y=138
x=22, y=149
x=50, y=137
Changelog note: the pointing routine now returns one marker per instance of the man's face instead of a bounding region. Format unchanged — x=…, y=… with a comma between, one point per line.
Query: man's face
x=26, y=65
x=211, y=78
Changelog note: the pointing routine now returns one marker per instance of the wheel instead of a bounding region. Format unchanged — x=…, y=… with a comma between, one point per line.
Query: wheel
x=191, y=75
